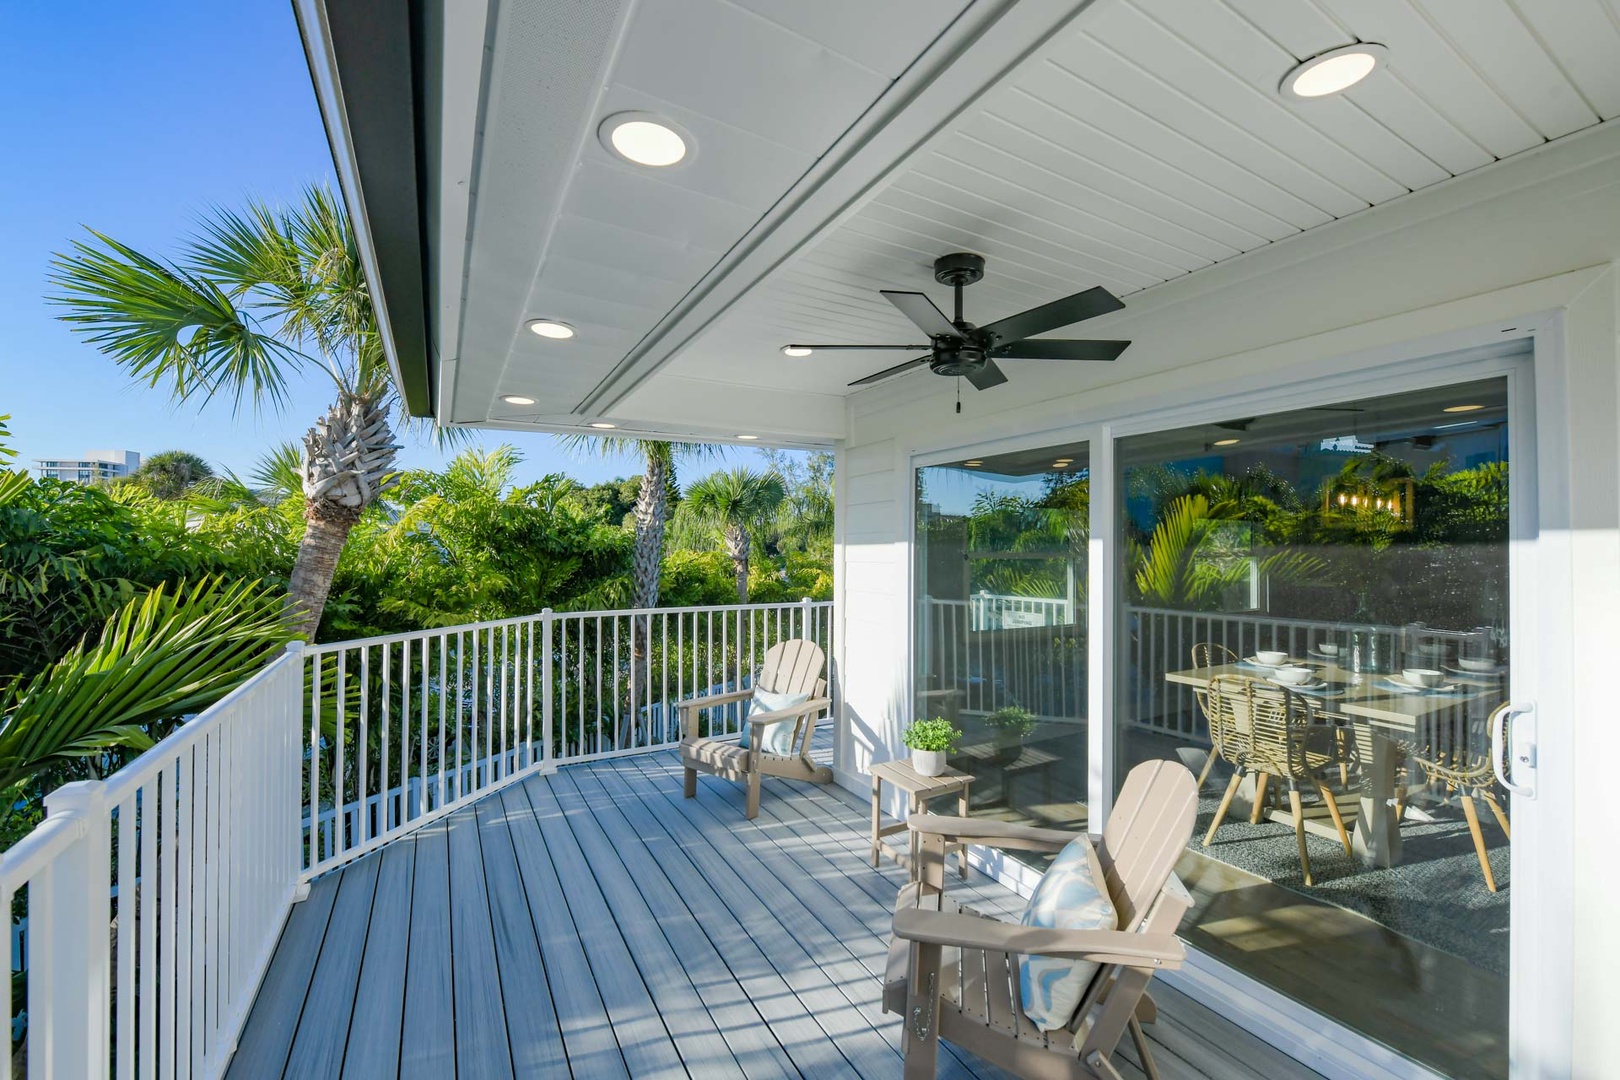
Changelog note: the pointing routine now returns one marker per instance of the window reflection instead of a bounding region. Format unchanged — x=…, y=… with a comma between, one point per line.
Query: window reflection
x=1001, y=577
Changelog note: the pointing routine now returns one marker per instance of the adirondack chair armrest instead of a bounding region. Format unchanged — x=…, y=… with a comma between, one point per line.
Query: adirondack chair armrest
x=688, y=710
x=792, y=712
x=992, y=935
x=1002, y=834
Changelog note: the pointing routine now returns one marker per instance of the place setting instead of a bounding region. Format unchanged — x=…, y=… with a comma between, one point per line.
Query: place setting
x=1419, y=681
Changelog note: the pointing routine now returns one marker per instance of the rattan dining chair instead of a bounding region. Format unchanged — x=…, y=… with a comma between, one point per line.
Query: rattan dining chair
x=1285, y=740
x=1206, y=655
x=1456, y=756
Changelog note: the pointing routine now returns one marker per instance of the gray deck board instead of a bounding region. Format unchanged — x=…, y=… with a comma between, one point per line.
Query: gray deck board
x=379, y=1007
x=597, y=924
x=531, y=1018
x=428, y=1042
x=317, y=1049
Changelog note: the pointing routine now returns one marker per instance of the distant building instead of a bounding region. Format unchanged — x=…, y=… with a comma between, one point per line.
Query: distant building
x=92, y=466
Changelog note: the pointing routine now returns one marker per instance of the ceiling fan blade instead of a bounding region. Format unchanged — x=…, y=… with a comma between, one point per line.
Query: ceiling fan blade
x=921, y=310
x=987, y=376
x=1057, y=349
x=1065, y=312
x=831, y=348
x=896, y=370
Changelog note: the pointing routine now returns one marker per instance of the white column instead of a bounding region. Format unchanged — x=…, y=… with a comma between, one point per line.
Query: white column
x=70, y=920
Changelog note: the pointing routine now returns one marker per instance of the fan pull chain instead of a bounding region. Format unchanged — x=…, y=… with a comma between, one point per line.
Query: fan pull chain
x=959, y=396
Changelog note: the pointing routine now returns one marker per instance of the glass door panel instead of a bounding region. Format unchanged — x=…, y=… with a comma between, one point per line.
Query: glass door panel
x=1000, y=626
x=1314, y=618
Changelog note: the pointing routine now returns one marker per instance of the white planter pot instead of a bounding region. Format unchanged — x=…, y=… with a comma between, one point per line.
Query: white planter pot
x=928, y=762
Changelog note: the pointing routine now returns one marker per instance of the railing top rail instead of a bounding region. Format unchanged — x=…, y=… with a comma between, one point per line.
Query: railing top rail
x=1277, y=620
x=28, y=856
x=518, y=620
x=132, y=776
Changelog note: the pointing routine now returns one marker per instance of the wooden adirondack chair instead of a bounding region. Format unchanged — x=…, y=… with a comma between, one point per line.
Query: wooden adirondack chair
x=791, y=667
x=953, y=973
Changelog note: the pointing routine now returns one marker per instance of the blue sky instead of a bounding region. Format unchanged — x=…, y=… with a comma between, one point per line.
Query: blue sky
x=131, y=119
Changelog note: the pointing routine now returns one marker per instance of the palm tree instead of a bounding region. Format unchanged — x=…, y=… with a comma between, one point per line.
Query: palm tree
x=253, y=298
x=734, y=503
x=171, y=474
x=653, y=499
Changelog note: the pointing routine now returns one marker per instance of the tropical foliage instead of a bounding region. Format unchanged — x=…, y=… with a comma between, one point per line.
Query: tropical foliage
x=735, y=505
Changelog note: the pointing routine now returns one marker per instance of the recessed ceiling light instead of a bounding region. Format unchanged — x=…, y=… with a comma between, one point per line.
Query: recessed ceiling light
x=1331, y=72
x=1060, y=464
x=748, y=438
x=973, y=464
x=1462, y=408
x=1227, y=442
x=517, y=399
x=551, y=328
x=603, y=424
x=796, y=350
x=1065, y=461
x=644, y=139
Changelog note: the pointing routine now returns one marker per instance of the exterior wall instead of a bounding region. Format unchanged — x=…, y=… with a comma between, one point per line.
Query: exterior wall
x=1530, y=243
x=95, y=465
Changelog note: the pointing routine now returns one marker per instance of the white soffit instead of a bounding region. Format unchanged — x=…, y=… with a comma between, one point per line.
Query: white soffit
x=1150, y=141
x=562, y=229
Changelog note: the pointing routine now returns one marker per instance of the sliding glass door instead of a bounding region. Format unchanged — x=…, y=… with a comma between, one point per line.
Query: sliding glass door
x=1313, y=617
x=1000, y=626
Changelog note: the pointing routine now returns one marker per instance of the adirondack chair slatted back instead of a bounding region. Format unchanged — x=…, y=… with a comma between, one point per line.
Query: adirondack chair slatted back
x=794, y=667
x=1147, y=831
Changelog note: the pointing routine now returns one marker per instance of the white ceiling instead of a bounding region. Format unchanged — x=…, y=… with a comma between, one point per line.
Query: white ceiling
x=1151, y=142
x=1132, y=142
x=763, y=86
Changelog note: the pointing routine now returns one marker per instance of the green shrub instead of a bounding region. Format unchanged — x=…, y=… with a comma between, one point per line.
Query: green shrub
x=936, y=734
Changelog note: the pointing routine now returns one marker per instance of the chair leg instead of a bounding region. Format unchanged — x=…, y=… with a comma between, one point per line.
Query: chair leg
x=1501, y=817
x=1400, y=803
x=1139, y=1037
x=1258, y=811
x=1338, y=818
x=1209, y=767
x=1226, y=804
x=690, y=788
x=1299, y=832
x=919, y=1033
x=753, y=796
x=1472, y=815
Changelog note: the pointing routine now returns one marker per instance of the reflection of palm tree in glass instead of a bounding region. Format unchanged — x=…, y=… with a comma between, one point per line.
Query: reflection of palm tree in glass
x=1193, y=559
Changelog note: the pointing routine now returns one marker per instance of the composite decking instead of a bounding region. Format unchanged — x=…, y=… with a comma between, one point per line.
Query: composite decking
x=594, y=923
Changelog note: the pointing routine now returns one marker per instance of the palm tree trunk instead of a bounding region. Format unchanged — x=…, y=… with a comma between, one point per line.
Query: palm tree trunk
x=326, y=529
x=738, y=544
x=652, y=513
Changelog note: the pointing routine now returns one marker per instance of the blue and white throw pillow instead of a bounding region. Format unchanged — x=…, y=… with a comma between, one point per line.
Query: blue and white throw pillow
x=1072, y=896
x=778, y=738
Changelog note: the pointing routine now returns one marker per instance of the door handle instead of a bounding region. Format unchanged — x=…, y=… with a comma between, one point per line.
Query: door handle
x=1513, y=751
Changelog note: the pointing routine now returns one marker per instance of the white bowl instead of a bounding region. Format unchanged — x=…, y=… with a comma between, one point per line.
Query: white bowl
x=1271, y=658
x=1327, y=649
x=1476, y=665
x=1420, y=676
x=1294, y=676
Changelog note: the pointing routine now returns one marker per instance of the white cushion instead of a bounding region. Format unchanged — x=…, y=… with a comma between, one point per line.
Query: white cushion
x=1072, y=896
x=778, y=738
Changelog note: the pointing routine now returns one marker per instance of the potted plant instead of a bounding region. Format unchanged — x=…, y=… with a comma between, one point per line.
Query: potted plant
x=1011, y=724
x=930, y=741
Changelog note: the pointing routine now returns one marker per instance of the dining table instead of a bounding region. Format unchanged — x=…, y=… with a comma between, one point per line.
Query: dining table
x=1387, y=721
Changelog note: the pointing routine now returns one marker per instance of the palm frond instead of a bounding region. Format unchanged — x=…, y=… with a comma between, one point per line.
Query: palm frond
x=160, y=657
x=168, y=326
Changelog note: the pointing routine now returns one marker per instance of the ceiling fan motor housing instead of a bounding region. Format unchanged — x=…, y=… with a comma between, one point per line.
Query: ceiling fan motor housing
x=956, y=358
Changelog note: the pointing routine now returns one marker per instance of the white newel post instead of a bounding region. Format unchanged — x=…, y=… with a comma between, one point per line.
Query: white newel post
x=70, y=917
x=546, y=762
x=804, y=618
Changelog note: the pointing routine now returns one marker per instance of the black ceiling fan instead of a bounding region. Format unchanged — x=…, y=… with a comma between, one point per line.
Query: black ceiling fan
x=957, y=347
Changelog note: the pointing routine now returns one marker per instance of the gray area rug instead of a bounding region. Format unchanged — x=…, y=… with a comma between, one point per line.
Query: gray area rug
x=1436, y=894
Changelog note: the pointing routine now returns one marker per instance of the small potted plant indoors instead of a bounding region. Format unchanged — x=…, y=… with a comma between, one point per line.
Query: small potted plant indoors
x=1012, y=724
x=930, y=741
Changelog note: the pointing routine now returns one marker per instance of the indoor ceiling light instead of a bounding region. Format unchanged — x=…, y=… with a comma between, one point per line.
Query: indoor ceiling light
x=1331, y=72
x=1227, y=442
x=1060, y=464
x=643, y=139
x=551, y=328
x=517, y=399
x=1462, y=408
x=602, y=424
x=748, y=438
x=973, y=464
x=796, y=350
x=1065, y=461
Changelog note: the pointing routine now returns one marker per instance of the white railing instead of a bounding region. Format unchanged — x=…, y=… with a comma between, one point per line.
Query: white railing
x=154, y=899
x=145, y=908
x=433, y=719
x=989, y=651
